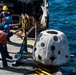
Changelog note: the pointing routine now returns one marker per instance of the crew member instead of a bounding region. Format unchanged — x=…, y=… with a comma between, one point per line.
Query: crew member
x=4, y=13
x=7, y=20
x=3, y=42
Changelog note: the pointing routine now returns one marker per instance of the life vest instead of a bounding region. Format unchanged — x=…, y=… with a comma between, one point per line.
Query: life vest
x=3, y=37
x=3, y=15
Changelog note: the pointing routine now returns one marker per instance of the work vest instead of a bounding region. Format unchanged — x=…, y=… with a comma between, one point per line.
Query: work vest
x=3, y=15
x=3, y=37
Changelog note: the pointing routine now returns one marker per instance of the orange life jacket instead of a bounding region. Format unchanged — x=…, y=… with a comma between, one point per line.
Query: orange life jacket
x=3, y=37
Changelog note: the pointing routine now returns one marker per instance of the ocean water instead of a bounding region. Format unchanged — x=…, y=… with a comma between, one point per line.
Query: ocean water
x=62, y=16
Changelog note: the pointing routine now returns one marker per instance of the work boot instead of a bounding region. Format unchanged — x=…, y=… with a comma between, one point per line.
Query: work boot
x=9, y=57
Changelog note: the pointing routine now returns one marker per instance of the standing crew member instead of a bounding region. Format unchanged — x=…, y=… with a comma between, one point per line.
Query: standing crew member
x=4, y=13
x=6, y=22
x=3, y=42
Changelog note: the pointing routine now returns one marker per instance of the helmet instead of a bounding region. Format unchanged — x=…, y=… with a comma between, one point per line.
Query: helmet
x=7, y=27
x=5, y=7
x=8, y=19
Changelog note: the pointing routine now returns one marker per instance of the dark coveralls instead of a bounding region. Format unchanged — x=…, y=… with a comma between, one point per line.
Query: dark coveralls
x=3, y=42
x=3, y=54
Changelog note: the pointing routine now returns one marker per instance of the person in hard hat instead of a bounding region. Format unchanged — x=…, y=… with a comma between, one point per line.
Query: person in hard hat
x=4, y=13
x=3, y=42
x=7, y=21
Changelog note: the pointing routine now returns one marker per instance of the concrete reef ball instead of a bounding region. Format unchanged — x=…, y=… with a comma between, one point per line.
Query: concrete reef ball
x=51, y=48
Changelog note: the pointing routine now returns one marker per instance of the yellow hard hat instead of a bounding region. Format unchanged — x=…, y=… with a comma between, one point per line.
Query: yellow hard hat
x=5, y=8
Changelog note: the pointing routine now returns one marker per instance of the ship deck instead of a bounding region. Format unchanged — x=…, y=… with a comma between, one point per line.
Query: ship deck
x=26, y=66
x=14, y=48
